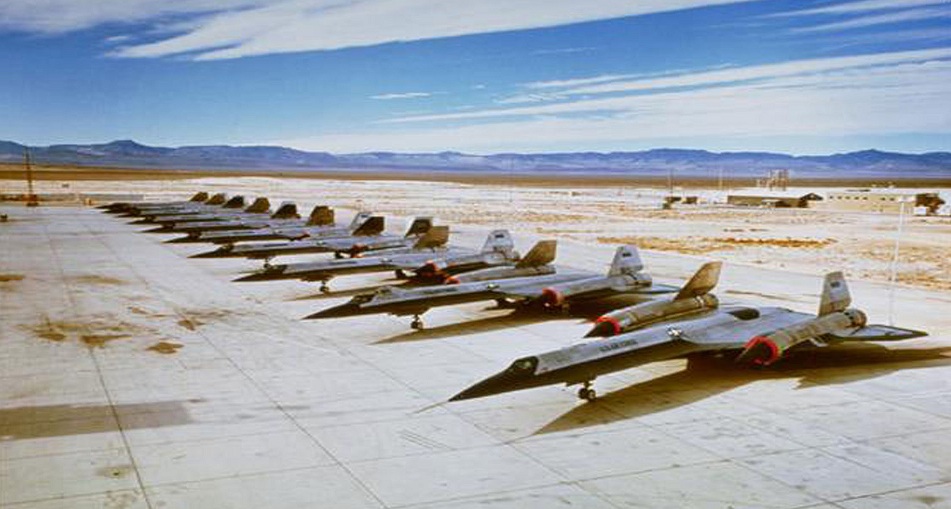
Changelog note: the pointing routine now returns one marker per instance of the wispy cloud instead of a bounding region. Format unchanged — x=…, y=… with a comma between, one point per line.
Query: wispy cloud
x=58, y=16
x=530, y=98
x=880, y=19
x=879, y=94
x=639, y=94
x=578, y=81
x=403, y=95
x=239, y=28
x=860, y=6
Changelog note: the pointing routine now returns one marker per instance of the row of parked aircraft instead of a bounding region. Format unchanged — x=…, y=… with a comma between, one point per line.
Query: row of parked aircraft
x=666, y=322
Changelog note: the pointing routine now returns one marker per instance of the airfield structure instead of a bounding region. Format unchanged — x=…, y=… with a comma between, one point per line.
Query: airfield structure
x=772, y=199
x=887, y=201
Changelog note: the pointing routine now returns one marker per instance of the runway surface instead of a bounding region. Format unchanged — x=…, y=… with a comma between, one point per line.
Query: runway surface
x=134, y=377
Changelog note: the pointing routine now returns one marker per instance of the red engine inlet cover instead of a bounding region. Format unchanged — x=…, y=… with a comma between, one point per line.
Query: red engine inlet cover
x=763, y=351
x=552, y=297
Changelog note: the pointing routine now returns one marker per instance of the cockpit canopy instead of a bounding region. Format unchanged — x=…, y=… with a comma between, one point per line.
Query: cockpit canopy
x=525, y=365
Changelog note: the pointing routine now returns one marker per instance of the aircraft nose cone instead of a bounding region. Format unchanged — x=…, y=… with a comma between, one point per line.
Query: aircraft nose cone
x=495, y=384
x=160, y=229
x=189, y=239
x=270, y=274
x=348, y=309
x=217, y=253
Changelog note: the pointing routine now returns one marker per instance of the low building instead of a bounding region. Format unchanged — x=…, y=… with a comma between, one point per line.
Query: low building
x=888, y=201
x=772, y=200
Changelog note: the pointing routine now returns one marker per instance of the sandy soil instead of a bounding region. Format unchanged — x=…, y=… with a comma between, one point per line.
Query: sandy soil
x=15, y=171
x=808, y=241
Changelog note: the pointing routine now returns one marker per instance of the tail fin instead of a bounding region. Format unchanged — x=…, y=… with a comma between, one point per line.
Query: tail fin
x=542, y=253
x=626, y=261
x=419, y=226
x=374, y=225
x=359, y=219
x=219, y=199
x=199, y=196
x=437, y=236
x=835, y=294
x=287, y=210
x=702, y=282
x=236, y=202
x=499, y=241
x=322, y=215
x=260, y=206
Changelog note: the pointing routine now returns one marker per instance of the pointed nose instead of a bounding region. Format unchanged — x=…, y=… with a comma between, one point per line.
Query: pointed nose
x=160, y=229
x=272, y=273
x=348, y=309
x=217, y=253
x=505, y=381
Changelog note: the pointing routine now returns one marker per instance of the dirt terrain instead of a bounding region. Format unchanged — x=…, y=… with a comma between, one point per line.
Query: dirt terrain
x=801, y=240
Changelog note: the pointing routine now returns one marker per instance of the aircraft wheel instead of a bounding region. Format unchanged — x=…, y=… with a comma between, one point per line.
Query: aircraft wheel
x=324, y=288
x=587, y=394
x=338, y=255
x=400, y=274
x=416, y=324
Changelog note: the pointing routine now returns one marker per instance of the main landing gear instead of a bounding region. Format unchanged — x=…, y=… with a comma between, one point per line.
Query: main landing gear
x=324, y=287
x=417, y=323
x=587, y=393
x=267, y=262
x=400, y=274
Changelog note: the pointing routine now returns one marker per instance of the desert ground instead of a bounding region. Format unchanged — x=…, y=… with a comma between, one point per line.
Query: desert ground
x=132, y=376
x=800, y=240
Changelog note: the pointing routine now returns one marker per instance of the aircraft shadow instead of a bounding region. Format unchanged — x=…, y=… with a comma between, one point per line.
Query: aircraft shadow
x=516, y=318
x=835, y=365
x=347, y=293
x=519, y=316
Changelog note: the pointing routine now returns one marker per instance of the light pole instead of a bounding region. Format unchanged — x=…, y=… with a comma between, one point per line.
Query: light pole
x=894, y=272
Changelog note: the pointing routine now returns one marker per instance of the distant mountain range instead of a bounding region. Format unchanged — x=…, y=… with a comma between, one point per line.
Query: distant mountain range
x=129, y=154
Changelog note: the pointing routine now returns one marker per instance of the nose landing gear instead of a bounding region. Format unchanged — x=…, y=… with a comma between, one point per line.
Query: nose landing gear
x=587, y=393
x=417, y=323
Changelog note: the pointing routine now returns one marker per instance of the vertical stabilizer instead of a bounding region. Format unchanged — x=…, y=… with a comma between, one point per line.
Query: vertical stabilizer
x=359, y=219
x=287, y=210
x=542, y=253
x=499, y=241
x=702, y=282
x=322, y=215
x=626, y=261
x=235, y=202
x=419, y=226
x=219, y=199
x=437, y=236
x=260, y=206
x=835, y=294
x=374, y=225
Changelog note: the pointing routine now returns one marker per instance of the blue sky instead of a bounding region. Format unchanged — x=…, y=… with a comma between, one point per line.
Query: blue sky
x=804, y=77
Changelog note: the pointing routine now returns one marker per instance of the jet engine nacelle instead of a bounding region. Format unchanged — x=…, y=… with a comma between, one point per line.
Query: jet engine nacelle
x=500, y=273
x=650, y=312
x=767, y=349
x=557, y=296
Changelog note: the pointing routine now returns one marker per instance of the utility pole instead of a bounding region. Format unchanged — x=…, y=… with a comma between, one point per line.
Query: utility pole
x=31, y=198
x=894, y=273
